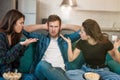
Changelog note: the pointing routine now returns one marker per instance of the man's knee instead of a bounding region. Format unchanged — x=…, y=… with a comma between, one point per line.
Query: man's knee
x=43, y=66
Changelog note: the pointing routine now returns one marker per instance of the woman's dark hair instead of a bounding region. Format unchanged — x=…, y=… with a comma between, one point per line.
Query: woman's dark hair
x=92, y=29
x=53, y=18
x=8, y=23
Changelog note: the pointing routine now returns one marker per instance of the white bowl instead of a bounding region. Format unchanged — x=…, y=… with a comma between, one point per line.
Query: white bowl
x=12, y=76
x=91, y=76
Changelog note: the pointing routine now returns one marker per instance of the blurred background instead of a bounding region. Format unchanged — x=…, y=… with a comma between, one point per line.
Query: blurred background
x=105, y=12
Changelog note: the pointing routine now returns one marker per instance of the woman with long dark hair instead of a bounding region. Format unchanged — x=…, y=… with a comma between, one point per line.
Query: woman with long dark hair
x=94, y=46
x=11, y=49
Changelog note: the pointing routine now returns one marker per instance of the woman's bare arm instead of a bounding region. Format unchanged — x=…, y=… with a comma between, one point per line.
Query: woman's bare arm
x=72, y=55
x=31, y=28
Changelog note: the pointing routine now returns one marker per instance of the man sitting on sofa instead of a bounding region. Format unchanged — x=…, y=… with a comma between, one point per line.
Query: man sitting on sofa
x=51, y=49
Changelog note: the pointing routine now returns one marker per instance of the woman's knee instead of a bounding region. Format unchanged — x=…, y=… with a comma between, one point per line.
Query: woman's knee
x=108, y=75
x=112, y=77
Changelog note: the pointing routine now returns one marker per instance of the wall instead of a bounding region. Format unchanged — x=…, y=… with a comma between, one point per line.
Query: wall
x=6, y=5
x=106, y=19
x=28, y=8
x=99, y=5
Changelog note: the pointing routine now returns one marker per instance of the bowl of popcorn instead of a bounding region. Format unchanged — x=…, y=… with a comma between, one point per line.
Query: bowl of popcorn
x=91, y=76
x=12, y=76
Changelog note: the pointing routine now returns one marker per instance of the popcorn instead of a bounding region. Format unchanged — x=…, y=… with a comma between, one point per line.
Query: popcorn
x=12, y=76
x=91, y=76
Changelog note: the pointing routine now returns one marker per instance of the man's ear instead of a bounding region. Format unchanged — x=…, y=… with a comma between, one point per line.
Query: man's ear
x=60, y=28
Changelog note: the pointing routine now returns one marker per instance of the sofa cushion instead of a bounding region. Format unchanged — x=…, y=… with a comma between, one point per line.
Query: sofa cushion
x=27, y=60
x=108, y=57
x=77, y=63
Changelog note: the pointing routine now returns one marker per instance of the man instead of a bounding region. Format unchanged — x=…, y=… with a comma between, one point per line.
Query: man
x=52, y=49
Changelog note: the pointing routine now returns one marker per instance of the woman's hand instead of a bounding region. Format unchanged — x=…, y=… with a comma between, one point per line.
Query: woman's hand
x=28, y=41
x=116, y=54
x=116, y=44
x=66, y=39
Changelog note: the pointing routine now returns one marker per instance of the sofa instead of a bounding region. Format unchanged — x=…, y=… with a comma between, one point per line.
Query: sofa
x=27, y=60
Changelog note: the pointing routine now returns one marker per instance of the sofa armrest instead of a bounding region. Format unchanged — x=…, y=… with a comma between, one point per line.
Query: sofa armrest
x=114, y=66
x=26, y=60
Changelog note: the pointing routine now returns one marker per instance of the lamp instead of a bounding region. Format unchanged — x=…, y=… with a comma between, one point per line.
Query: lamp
x=71, y=3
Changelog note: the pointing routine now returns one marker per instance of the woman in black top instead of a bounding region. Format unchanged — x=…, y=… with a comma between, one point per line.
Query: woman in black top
x=94, y=46
x=11, y=49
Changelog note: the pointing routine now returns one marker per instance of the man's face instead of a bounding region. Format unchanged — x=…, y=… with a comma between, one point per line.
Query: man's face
x=54, y=28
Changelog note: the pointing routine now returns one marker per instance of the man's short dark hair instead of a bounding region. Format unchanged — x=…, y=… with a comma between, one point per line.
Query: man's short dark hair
x=54, y=18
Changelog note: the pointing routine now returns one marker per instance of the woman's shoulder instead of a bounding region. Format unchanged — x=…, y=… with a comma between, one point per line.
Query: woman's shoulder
x=81, y=41
x=2, y=34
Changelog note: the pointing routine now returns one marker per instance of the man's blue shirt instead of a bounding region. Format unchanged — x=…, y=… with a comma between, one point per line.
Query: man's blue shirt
x=43, y=43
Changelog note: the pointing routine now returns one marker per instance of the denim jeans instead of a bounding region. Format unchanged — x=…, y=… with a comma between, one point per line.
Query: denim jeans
x=103, y=72
x=1, y=78
x=45, y=71
x=28, y=77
